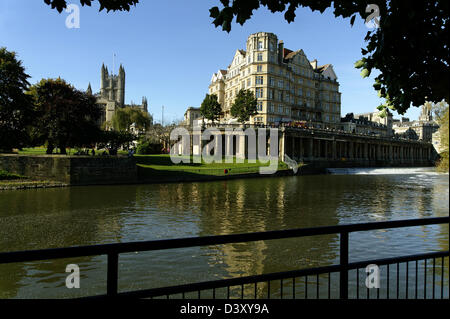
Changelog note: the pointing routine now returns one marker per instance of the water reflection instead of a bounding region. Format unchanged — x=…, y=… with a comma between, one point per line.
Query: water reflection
x=44, y=218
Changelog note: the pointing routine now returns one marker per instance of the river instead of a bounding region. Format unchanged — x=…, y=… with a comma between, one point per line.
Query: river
x=61, y=217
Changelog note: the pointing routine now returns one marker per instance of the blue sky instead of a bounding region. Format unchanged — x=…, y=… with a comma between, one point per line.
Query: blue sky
x=171, y=48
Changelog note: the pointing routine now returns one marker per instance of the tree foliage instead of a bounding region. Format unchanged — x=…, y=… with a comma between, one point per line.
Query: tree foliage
x=244, y=106
x=15, y=105
x=409, y=48
x=65, y=116
x=109, y=5
x=113, y=140
x=210, y=107
x=123, y=118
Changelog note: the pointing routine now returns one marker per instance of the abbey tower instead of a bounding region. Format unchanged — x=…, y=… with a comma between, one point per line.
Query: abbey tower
x=112, y=94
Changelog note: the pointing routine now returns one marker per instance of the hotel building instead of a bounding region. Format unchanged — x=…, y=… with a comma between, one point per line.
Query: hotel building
x=288, y=86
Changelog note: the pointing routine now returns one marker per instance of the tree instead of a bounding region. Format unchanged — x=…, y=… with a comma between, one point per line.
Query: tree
x=244, y=105
x=113, y=140
x=210, y=107
x=409, y=47
x=65, y=116
x=123, y=118
x=15, y=105
x=116, y=5
x=441, y=113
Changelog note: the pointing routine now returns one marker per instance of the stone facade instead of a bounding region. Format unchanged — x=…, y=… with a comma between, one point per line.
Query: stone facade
x=288, y=86
x=422, y=129
x=192, y=114
x=368, y=123
x=72, y=170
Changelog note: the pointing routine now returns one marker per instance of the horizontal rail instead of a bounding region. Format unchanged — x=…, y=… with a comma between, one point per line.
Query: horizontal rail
x=222, y=283
x=117, y=248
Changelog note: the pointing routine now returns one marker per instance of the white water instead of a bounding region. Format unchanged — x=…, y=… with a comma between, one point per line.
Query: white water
x=384, y=171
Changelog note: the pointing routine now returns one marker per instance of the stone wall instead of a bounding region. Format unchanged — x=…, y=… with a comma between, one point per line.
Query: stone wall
x=73, y=170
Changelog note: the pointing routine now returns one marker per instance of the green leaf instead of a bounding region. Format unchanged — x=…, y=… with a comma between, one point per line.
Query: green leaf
x=365, y=73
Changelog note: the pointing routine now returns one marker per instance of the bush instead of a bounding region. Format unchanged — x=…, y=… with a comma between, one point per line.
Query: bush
x=148, y=147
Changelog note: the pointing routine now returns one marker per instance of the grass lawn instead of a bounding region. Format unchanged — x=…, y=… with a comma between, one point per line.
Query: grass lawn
x=162, y=166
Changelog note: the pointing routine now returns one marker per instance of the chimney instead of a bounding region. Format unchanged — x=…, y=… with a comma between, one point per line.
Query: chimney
x=280, y=51
x=314, y=64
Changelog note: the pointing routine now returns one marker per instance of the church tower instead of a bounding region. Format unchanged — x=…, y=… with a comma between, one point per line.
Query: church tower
x=112, y=87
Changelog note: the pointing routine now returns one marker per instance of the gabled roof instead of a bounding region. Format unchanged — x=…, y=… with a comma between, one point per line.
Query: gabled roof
x=323, y=67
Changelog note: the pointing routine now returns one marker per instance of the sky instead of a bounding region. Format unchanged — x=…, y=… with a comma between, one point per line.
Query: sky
x=170, y=49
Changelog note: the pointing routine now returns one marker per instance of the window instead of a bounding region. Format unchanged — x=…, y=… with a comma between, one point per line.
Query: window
x=259, y=93
x=280, y=109
x=270, y=93
x=300, y=91
x=249, y=82
x=259, y=68
x=271, y=81
x=259, y=80
x=280, y=96
x=259, y=106
x=280, y=83
x=286, y=110
x=260, y=45
x=260, y=57
x=308, y=93
x=287, y=97
x=271, y=107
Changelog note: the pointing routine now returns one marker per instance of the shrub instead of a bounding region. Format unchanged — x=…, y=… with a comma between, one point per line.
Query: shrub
x=148, y=147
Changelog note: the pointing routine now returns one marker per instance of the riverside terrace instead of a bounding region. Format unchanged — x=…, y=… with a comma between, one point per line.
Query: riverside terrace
x=322, y=147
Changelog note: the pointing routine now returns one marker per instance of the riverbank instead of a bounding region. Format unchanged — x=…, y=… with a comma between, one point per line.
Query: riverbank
x=27, y=184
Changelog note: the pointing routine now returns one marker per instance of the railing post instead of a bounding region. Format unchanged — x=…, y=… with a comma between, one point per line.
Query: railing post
x=112, y=273
x=343, y=257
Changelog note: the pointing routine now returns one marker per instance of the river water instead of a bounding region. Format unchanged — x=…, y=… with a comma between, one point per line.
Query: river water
x=61, y=217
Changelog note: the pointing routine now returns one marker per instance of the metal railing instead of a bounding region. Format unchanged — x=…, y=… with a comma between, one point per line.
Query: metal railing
x=342, y=268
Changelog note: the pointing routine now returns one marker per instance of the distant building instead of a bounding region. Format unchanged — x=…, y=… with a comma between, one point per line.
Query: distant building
x=192, y=114
x=287, y=86
x=368, y=123
x=422, y=129
x=112, y=94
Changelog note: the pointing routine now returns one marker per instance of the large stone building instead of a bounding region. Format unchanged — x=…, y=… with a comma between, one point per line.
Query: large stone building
x=288, y=86
x=422, y=129
x=112, y=94
x=371, y=123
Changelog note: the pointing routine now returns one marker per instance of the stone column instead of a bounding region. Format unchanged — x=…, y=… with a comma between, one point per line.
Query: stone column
x=300, y=147
x=351, y=154
x=282, y=145
x=333, y=150
x=311, y=148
